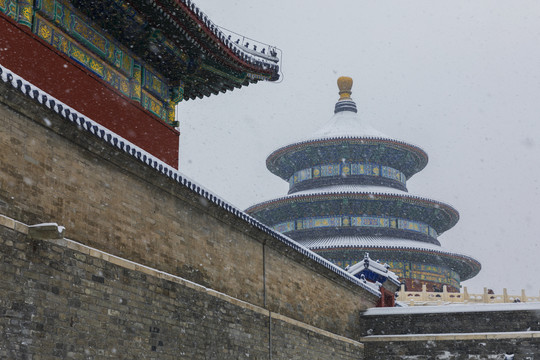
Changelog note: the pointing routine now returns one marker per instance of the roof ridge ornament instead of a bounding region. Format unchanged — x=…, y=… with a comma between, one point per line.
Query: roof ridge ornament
x=345, y=85
x=345, y=103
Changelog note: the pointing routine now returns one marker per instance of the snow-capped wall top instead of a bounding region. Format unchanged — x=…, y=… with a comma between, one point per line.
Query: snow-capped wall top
x=99, y=131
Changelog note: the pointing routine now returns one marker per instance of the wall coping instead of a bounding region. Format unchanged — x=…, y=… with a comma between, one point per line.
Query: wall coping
x=452, y=309
x=453, y=336
x=131, y=265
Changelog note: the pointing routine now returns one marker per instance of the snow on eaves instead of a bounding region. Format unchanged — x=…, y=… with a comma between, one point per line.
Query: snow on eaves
x=89, y=125
x=378, y=242
x=373, y=189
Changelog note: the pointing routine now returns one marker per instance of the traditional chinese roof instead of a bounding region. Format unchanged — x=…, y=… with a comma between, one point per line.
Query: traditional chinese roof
x=179, y=39
x=373, y=270
x=348, y=195
x=439, y=215
x=346, y=137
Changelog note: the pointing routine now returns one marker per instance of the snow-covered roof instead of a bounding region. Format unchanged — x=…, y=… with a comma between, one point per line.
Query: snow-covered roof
x=101, y=132
x=374, y=266
x=351, y=192
x=467, y=266
x=368, y=241
x=371, y=242
x=346, y=124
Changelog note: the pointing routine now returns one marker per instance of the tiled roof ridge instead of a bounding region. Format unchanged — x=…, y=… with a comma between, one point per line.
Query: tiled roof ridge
x=216, y=32
x=100, y=131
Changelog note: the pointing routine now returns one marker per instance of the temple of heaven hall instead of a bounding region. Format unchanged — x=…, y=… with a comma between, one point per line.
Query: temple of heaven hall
x=348, y=196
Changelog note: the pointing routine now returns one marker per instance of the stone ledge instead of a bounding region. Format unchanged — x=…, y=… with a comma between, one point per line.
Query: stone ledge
x=451, y=337
x=314, y=329
x=13, y=224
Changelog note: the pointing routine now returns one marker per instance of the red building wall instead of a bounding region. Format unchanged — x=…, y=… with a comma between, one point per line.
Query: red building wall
x=29, y=57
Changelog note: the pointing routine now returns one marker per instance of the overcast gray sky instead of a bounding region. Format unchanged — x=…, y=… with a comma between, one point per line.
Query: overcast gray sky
x=461, y=79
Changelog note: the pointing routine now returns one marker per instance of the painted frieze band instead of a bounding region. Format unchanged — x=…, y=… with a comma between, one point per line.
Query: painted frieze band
x=22, y=11
x=70, y=33
x=356, y=221
x=347, y=169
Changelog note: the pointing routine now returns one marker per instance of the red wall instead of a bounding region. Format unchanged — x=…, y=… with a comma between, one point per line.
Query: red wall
x=37, y=62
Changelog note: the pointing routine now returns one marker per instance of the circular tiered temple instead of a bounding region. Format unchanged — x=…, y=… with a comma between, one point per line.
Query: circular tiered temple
x=348, y=196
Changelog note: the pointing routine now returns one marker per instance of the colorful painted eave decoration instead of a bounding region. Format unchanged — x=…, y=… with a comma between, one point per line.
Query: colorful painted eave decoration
x=156, y=52
x=179, y=39
x=279, y=157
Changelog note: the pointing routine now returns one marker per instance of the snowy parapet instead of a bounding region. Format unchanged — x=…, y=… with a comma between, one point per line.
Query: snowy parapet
x=118, y=142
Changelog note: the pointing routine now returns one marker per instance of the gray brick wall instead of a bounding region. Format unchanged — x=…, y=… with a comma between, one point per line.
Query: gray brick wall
x=455, y=334
x=454, y=349
x=453, y=322
x=57, y=302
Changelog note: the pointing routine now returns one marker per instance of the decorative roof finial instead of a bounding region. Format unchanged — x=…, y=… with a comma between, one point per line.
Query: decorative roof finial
x=344, y=84
x=345, y=103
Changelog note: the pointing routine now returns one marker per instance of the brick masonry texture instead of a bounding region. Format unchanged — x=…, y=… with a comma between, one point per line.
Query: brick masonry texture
x=453, y=335
x=61, y=303
x=53, y=172
x=453, y=322
x=454, y=349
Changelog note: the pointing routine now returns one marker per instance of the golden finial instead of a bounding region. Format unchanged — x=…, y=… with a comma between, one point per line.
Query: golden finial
x=344, y=84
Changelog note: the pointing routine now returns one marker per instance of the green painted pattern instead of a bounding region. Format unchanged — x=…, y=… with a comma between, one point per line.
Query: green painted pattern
x=153, y=105
x=68, y=46
x=25, y=12
x=84, y=32
x=239, y=79
x=68, y=31
x=21, y=11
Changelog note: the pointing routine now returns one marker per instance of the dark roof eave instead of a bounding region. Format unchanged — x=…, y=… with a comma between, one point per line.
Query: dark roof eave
x=213, y=40
x=273, y=159
x=453, y=213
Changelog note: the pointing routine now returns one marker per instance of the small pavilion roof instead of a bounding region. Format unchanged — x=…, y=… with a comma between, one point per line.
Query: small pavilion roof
x=369, y=264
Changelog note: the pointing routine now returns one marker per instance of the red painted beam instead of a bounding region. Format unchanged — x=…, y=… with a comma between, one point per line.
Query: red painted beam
x=37, y=62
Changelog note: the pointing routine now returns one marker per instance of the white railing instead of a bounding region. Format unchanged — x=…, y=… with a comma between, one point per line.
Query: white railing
x=424, y=297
